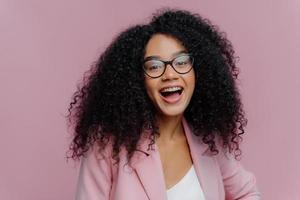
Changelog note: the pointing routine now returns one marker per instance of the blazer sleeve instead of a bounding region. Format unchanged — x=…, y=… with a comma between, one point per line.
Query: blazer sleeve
x=95, y=176
x=238, y=182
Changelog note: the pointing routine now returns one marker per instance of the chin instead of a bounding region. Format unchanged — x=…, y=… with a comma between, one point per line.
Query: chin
x=168, y=112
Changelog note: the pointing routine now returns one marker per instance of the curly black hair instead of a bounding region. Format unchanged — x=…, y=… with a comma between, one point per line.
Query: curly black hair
x=112, y=102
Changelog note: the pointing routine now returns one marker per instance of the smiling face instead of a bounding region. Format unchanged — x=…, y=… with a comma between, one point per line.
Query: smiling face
x=171, y=92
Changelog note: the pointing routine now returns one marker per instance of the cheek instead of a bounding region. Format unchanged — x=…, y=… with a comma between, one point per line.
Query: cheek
x=150, y=87
x=192, y=80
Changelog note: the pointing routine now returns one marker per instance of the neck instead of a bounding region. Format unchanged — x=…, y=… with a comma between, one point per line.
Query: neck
x=170, y=128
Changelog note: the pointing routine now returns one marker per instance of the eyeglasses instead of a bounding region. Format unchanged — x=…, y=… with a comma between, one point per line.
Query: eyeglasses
x=155, y=68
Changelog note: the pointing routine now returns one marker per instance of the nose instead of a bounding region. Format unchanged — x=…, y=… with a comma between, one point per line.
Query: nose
x=169, y=73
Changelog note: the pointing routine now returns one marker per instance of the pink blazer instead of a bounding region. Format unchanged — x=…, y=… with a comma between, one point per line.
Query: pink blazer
x=220, y=176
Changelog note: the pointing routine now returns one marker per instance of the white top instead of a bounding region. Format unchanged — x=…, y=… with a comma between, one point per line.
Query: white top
x=188, y=188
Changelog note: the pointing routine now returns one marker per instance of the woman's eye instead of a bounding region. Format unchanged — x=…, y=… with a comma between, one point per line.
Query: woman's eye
x=153, y=67
x=184, y=60
x=181, y=63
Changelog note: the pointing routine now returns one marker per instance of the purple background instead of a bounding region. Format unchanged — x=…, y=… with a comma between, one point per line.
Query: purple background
x=45, y=46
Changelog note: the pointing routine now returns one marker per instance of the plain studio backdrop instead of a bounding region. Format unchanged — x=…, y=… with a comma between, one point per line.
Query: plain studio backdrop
x=45, y=46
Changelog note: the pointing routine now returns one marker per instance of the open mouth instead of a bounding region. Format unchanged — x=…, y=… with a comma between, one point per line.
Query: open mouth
x=171, y=91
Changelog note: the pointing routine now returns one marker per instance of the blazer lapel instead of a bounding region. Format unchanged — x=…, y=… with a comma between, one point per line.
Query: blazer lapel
x=150, y=172
x=203, y=163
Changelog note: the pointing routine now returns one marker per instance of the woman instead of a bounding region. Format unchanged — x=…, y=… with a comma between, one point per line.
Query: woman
x=160, y=117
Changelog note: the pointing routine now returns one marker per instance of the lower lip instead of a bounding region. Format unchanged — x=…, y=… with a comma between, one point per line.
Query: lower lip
x=172, y=99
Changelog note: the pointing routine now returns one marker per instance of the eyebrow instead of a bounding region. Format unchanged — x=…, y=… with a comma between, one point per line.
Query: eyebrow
x=158, y=57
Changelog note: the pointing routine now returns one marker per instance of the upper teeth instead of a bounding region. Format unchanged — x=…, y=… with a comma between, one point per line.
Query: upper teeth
x=171, y=89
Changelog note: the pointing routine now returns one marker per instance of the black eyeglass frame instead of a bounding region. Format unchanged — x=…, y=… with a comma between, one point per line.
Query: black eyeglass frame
x=169, y=62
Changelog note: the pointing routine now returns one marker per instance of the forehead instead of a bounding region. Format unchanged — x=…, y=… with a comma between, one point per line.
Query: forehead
x=163, y=47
